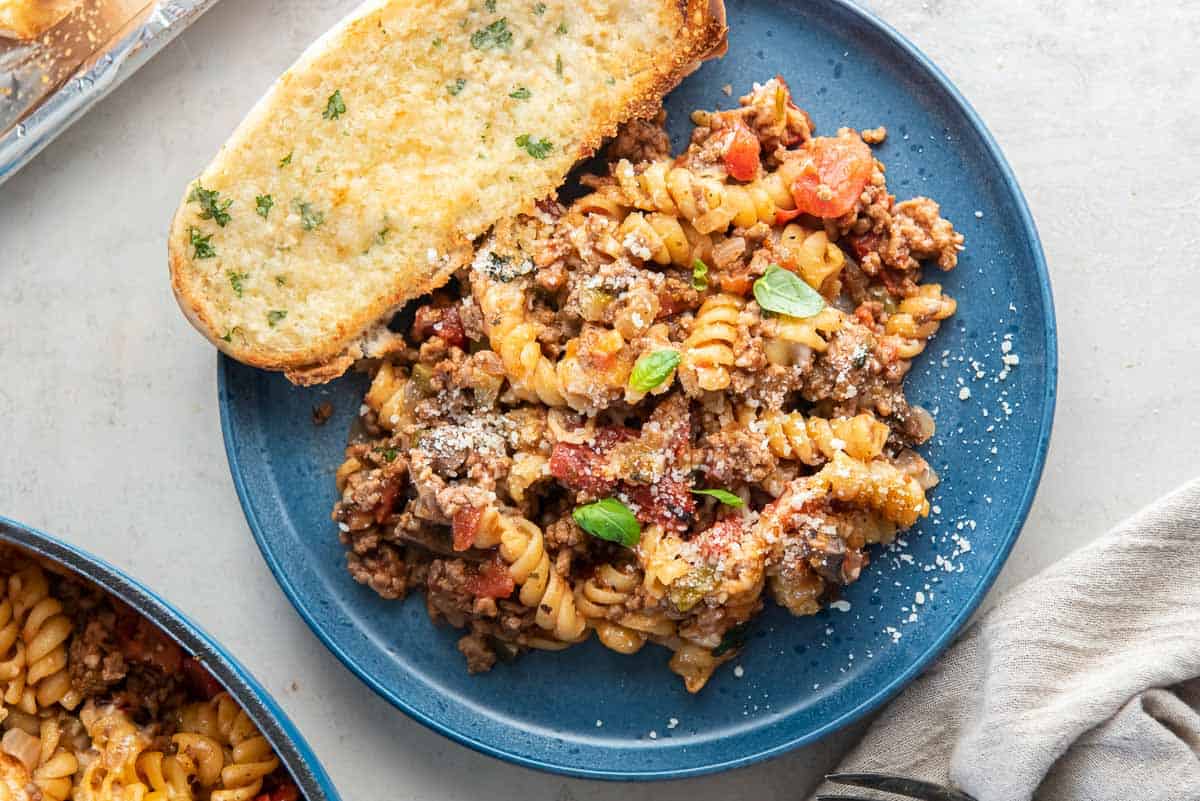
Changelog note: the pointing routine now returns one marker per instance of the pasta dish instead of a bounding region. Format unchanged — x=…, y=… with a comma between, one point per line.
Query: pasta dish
x=98, y=704
x=642, y=411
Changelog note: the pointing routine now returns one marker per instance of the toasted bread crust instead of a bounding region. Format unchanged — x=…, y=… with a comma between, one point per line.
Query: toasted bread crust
x=702, y=37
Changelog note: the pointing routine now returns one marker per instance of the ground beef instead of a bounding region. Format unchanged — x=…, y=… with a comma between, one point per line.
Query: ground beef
x=887, y=235
x=477, y=649
x=641, y=140
x=736, y=454
x=148, y=692
x=95, y=658
x=383, y=569
x=447, y=593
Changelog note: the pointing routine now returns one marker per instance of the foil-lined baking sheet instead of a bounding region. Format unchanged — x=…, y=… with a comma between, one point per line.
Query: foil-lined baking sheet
x=47, y=83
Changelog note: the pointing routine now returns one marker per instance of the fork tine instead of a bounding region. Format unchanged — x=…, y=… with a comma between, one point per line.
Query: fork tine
x=913, y=788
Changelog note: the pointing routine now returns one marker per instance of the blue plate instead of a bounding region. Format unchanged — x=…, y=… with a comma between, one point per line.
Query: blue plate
x=589, y=712
x=293, y=751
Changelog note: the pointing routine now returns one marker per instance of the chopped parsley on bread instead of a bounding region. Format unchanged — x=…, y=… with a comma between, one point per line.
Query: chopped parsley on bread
x=363, y=177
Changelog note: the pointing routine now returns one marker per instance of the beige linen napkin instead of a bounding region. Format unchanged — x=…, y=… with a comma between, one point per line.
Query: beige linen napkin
x=1083, y=684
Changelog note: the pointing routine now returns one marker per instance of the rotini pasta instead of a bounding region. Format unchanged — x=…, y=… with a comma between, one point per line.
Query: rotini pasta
x=523, y=547
x=708, y=352
x=796, y=338
x=917, y=319
x=812, y=255
x=515, y=339
x=602, y=594
x=80, y=730
x=815, y=440
x=648, y=424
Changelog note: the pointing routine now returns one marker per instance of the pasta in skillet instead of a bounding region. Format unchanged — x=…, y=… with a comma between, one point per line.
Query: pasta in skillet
x=644, y=412
x=97, y=704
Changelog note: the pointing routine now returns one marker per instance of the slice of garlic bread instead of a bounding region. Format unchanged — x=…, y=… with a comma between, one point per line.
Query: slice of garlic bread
x=361, y=179
x=29, y=19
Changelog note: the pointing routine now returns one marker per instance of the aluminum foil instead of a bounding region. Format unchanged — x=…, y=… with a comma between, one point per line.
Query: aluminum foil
x=48, y=83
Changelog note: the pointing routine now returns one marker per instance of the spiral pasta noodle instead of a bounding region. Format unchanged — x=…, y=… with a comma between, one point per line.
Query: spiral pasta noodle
x=814, y=440
x=918, y=317
x=664, y=239
x=708, y=350
x=607, y=588
x=56, y=765
x=677, y=191
x=164, y=777
x=12, y=655
x=199, y=756
x=531, y=374
x=523, y=548
x=814, y=257
x=251, y=760
x=45, y=634
x=813, y=332
x=879, y=485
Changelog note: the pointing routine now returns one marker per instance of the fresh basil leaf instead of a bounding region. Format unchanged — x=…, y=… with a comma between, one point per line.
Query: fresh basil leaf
x=724, y=496
x=652, y=369
x=699, y=275
x=609, y=520
x=784, y=292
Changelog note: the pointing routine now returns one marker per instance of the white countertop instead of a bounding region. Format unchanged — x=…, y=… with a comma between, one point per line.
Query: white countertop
x=109, y=434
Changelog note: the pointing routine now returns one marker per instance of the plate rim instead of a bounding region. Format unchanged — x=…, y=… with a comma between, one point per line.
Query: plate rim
x=298, y=756
x=989, y=572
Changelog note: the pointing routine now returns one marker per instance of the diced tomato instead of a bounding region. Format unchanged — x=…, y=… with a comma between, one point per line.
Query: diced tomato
x=466, y=526
x=199, y=679
x=783, y=217
x=834, y=172
x=862, y=244
x=736, y=281
x=492, y=581
x=741, y=152
x=581, y=467
x=578, y=467
x=387, y=502
x=667, y=503
x=442, y=321
x=717, y=542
